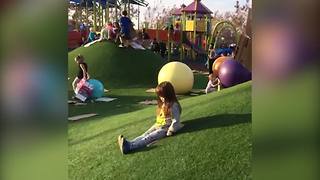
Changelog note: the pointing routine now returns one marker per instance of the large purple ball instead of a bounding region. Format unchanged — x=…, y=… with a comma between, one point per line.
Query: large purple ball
x=232, y=72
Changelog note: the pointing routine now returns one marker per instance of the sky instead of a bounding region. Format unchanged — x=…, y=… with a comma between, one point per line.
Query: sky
x=213, y=5
x=221, y=5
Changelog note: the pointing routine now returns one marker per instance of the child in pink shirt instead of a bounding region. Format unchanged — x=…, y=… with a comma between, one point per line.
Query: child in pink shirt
x=213, y=84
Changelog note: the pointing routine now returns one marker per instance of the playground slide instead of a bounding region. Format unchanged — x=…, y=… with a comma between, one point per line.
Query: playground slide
x=90, y=43
x=136, y=45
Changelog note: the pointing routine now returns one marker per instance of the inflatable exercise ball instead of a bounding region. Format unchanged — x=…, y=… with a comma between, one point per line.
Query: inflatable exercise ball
x=232, y=72
x=98, y=88
x=217, y=63
x=179, y=75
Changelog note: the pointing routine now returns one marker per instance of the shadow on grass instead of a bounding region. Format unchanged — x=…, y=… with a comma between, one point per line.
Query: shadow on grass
x=216, y=121
x=123, y=104
x=199, y=124
x=189, y=126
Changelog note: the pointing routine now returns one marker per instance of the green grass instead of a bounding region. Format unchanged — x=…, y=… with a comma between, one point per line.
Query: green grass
x=127, y=99
x=117, y=67
x=215, y=143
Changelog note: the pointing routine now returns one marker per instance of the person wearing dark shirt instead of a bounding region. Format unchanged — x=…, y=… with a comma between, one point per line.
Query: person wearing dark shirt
x=145, y=35
x=126, y=26
x=155, y=47
x=83, y=71
x=163, y=49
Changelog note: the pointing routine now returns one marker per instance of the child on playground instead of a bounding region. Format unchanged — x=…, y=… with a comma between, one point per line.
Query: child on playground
x=92, y=35
x=126, y=26
x=167, y=122
x=155, y=47
x=116, y=30
x=104, y=34
x=83, y=71
x=107, y=32
x=213, y=84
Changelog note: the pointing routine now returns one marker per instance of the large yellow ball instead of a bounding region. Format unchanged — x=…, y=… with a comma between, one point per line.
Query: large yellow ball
x=179, y=75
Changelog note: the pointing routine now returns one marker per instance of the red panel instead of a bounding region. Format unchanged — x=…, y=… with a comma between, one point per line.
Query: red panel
x=74, y=39
x=163, y=35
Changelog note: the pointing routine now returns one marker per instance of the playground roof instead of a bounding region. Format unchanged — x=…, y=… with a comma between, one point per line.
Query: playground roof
x=177, y=12
x=197, y=6
x=102, y=1
x=112, y=3
x=136, y=2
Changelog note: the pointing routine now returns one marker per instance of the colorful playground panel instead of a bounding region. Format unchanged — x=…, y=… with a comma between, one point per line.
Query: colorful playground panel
x=201, y=25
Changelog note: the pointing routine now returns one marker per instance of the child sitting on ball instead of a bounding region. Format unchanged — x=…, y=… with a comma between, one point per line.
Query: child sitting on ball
x=213, y=84
x=167, y=122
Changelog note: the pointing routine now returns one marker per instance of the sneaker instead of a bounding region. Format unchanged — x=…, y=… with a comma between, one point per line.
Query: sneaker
x=121, y=46
x=123, y=144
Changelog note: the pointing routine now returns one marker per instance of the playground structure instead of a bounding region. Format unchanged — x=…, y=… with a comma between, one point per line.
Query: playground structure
x=102, y=11
x=192, y=28
x=193, y=32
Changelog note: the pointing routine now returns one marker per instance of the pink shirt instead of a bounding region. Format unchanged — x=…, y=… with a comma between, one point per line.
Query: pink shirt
x=209, y=87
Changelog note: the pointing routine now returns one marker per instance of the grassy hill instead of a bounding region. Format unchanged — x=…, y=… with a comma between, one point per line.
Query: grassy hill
x=215, y=143
x=117, y=67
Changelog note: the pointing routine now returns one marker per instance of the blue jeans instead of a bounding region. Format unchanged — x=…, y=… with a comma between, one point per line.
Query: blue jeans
x=151, y=135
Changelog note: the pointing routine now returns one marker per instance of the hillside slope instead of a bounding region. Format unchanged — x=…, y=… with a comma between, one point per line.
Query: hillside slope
x=215, y=143
x=117, y=67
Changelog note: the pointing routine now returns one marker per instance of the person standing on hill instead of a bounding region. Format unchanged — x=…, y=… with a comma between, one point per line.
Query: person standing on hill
x=83, y=71
x=126, y=26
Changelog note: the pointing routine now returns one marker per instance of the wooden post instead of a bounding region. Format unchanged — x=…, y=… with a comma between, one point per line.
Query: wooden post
x=129, y=9
x=184, y=28
x=80, y=12
x=138, y=17
x=101, y=14
x=76, y=18
x=94, y=15
x=157, y=32
x=195, y=27
x=116, y=11
x=181, y=36
x=107, y=12
x=87, y=16
x=206, y=36
x=195, y=23
x=169, y=46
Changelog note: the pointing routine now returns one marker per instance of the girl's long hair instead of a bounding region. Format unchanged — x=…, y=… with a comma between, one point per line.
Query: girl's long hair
x=166, y=90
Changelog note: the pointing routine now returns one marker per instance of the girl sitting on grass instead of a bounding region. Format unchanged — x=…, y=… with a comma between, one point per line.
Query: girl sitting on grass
x=167, y=122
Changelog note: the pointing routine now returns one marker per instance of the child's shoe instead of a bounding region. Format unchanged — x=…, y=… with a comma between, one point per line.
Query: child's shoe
x=122, y=46
x=123, y=144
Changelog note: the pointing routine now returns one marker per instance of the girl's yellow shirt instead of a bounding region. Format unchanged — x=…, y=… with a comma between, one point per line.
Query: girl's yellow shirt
x=161, y=119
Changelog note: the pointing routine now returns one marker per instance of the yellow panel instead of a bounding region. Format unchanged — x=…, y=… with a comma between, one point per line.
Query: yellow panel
x=189, y=26
x=201, y=26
